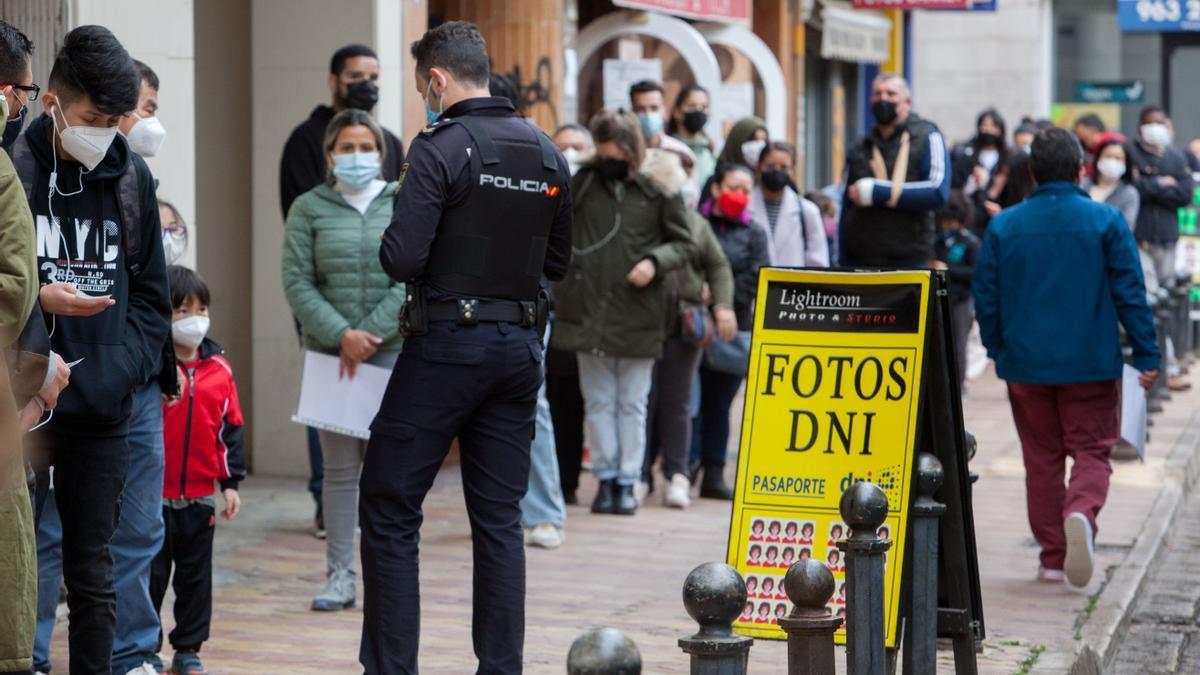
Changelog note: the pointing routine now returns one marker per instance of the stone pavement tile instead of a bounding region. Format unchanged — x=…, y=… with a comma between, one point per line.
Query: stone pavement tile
x=1148, y=650
x=1189, y=660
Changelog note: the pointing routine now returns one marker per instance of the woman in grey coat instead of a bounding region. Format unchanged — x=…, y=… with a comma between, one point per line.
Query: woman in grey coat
x=1112, y=180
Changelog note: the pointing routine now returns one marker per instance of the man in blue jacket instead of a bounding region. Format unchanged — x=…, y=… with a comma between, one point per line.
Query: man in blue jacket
x=1055, y=275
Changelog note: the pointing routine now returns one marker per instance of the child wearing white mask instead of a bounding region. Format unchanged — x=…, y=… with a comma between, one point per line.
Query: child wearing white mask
x=202, y=434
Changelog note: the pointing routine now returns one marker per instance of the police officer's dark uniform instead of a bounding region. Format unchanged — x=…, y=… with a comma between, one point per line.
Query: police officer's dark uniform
x=482, y=212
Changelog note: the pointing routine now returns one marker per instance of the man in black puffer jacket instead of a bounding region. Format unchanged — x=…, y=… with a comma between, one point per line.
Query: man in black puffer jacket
x=896, y=177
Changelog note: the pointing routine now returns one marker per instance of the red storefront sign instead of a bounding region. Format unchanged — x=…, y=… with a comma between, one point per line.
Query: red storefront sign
x=912, y=4
x=725, y=11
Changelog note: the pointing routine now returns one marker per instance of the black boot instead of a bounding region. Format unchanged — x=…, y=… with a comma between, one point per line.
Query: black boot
x=694, y=472
x=604, y=502
x=713, y=486
x=626, y=502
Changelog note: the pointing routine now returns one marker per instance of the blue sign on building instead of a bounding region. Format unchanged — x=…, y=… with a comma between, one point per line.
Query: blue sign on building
x=1131, y=91
x=1158, y=16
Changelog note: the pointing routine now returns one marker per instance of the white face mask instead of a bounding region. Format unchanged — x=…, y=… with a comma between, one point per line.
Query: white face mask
x=1156, y=134
x=173, y=247
x=572, y=156
x=751, y=150
x=88, y=145
x=190, y=332
x=1111, y=168
x=147, y=135
x=989, y=158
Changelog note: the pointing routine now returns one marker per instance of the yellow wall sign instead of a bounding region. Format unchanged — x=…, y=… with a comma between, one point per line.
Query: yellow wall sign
x=831, y=399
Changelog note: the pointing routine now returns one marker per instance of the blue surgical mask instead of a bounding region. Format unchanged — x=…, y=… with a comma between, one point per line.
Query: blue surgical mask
x=356, y=169
x=12, y=129
x=652, y=124
x=430, y=115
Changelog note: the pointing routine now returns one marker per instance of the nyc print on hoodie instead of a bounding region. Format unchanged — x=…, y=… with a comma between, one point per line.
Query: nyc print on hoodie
x=80, y=240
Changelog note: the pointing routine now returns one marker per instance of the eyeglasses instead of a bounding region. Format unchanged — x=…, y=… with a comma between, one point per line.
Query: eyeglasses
x=32, y=91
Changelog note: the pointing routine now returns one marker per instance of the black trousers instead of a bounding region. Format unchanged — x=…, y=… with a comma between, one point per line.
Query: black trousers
x=669, y=419
x=479, y=384
x=89, y=477
x=188, y=548
x=566, y=412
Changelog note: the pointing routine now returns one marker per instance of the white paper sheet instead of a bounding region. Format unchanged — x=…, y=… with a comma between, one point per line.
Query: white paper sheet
x=343, y=406
x=1133, y=411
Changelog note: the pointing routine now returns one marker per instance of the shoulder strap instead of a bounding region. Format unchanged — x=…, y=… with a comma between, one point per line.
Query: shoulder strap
x=25, y=164
x=549, y=161
x=130, y=202
x=487, y=149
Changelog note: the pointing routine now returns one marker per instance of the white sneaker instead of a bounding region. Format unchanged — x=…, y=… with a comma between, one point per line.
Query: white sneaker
x=144, y=669
x=640, y=490
x=546, y=536
x=1047, y=576
x=1081, y=550
x=677, y=492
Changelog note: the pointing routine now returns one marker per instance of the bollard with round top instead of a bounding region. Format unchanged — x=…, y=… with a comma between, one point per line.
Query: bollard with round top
x=714, y=594
x=920, y=637
x=604, y=651
x=810, y=628
x=864, y=507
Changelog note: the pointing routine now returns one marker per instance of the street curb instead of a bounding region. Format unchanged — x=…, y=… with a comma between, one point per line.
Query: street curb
x=1114, y=607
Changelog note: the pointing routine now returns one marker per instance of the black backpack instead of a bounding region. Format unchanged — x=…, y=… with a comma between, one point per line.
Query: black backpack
x=128, y=199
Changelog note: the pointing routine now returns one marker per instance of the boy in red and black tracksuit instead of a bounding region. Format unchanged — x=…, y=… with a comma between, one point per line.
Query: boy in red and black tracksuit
x=202, y=434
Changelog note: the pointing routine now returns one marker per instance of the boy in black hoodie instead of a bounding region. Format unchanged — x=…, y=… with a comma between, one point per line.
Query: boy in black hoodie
x=98, y=234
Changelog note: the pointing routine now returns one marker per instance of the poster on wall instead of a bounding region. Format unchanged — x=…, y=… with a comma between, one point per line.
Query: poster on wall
x=832, y=398
x=619, y=74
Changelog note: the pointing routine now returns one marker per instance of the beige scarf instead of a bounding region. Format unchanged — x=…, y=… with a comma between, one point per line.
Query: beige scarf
x=899, y=170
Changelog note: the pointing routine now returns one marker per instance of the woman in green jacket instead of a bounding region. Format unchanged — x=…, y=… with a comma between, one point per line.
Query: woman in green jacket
x=612, y=308
x=346, y=305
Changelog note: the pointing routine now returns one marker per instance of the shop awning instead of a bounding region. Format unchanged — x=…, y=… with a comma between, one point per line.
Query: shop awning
x=858, y=35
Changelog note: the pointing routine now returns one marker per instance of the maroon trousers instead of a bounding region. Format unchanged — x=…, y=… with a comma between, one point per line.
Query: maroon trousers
x=1080, y=421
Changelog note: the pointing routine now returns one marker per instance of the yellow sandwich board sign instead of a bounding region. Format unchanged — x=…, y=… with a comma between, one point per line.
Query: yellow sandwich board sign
x=832, y=398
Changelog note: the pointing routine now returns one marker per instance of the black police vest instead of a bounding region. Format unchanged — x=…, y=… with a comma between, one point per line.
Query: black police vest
x=493, y=245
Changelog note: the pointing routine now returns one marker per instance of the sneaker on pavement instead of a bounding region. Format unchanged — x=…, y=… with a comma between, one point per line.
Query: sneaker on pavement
x=338, y=594
x=1178, y=383
x=546, y=535
x=1081, y=550
x=144, y=669
x=676, y=496
x=1047, y=576
x=640, y=490
x=187, y=663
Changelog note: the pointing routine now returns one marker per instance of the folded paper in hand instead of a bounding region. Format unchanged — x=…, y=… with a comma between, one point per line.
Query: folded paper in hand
x=345, y=406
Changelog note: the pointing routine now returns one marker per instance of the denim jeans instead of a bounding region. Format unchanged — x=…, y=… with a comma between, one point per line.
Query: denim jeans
x=616, y=392
x=135, y=543
x=89, y=477
x=543, y=503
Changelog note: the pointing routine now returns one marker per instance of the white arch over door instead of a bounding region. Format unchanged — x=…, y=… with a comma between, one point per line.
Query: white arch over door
x=685, y=39
x=774, y=85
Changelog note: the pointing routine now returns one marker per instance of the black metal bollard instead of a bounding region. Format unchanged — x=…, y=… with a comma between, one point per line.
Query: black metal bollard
x=604, y=651
x=714, y=594
x=920, y=636
x=864, y=507
x=810, y=628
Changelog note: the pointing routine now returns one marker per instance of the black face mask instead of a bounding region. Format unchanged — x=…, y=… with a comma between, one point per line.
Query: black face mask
x=13, y=129
x=775, y=179
x=613, y=169
x=986, y=140
x=362, y=95
x=884, y=111
x=694, y=120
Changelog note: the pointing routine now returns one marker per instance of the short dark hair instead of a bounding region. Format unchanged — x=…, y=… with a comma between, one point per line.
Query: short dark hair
x=1055, y=155
x=1150, y=110
x=148, y=75
x=15, y=50
x=338, y=63
x=186, y=283
x=92, y=62
x=724, y=169
x=777, y=146
x=1100, y=147
x=645, y=87
x=458, y=47
x=958, y=209
x=1091, y=121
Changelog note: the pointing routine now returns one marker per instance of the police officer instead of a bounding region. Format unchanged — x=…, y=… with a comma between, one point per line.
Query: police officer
x=482, y=212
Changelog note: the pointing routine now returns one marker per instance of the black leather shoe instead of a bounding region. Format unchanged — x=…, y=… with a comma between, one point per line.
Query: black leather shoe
x=604, y=502
x=626, y=502
x=713, y=486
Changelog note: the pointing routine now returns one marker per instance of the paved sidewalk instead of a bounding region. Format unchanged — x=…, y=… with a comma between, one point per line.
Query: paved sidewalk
x=628, y=572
